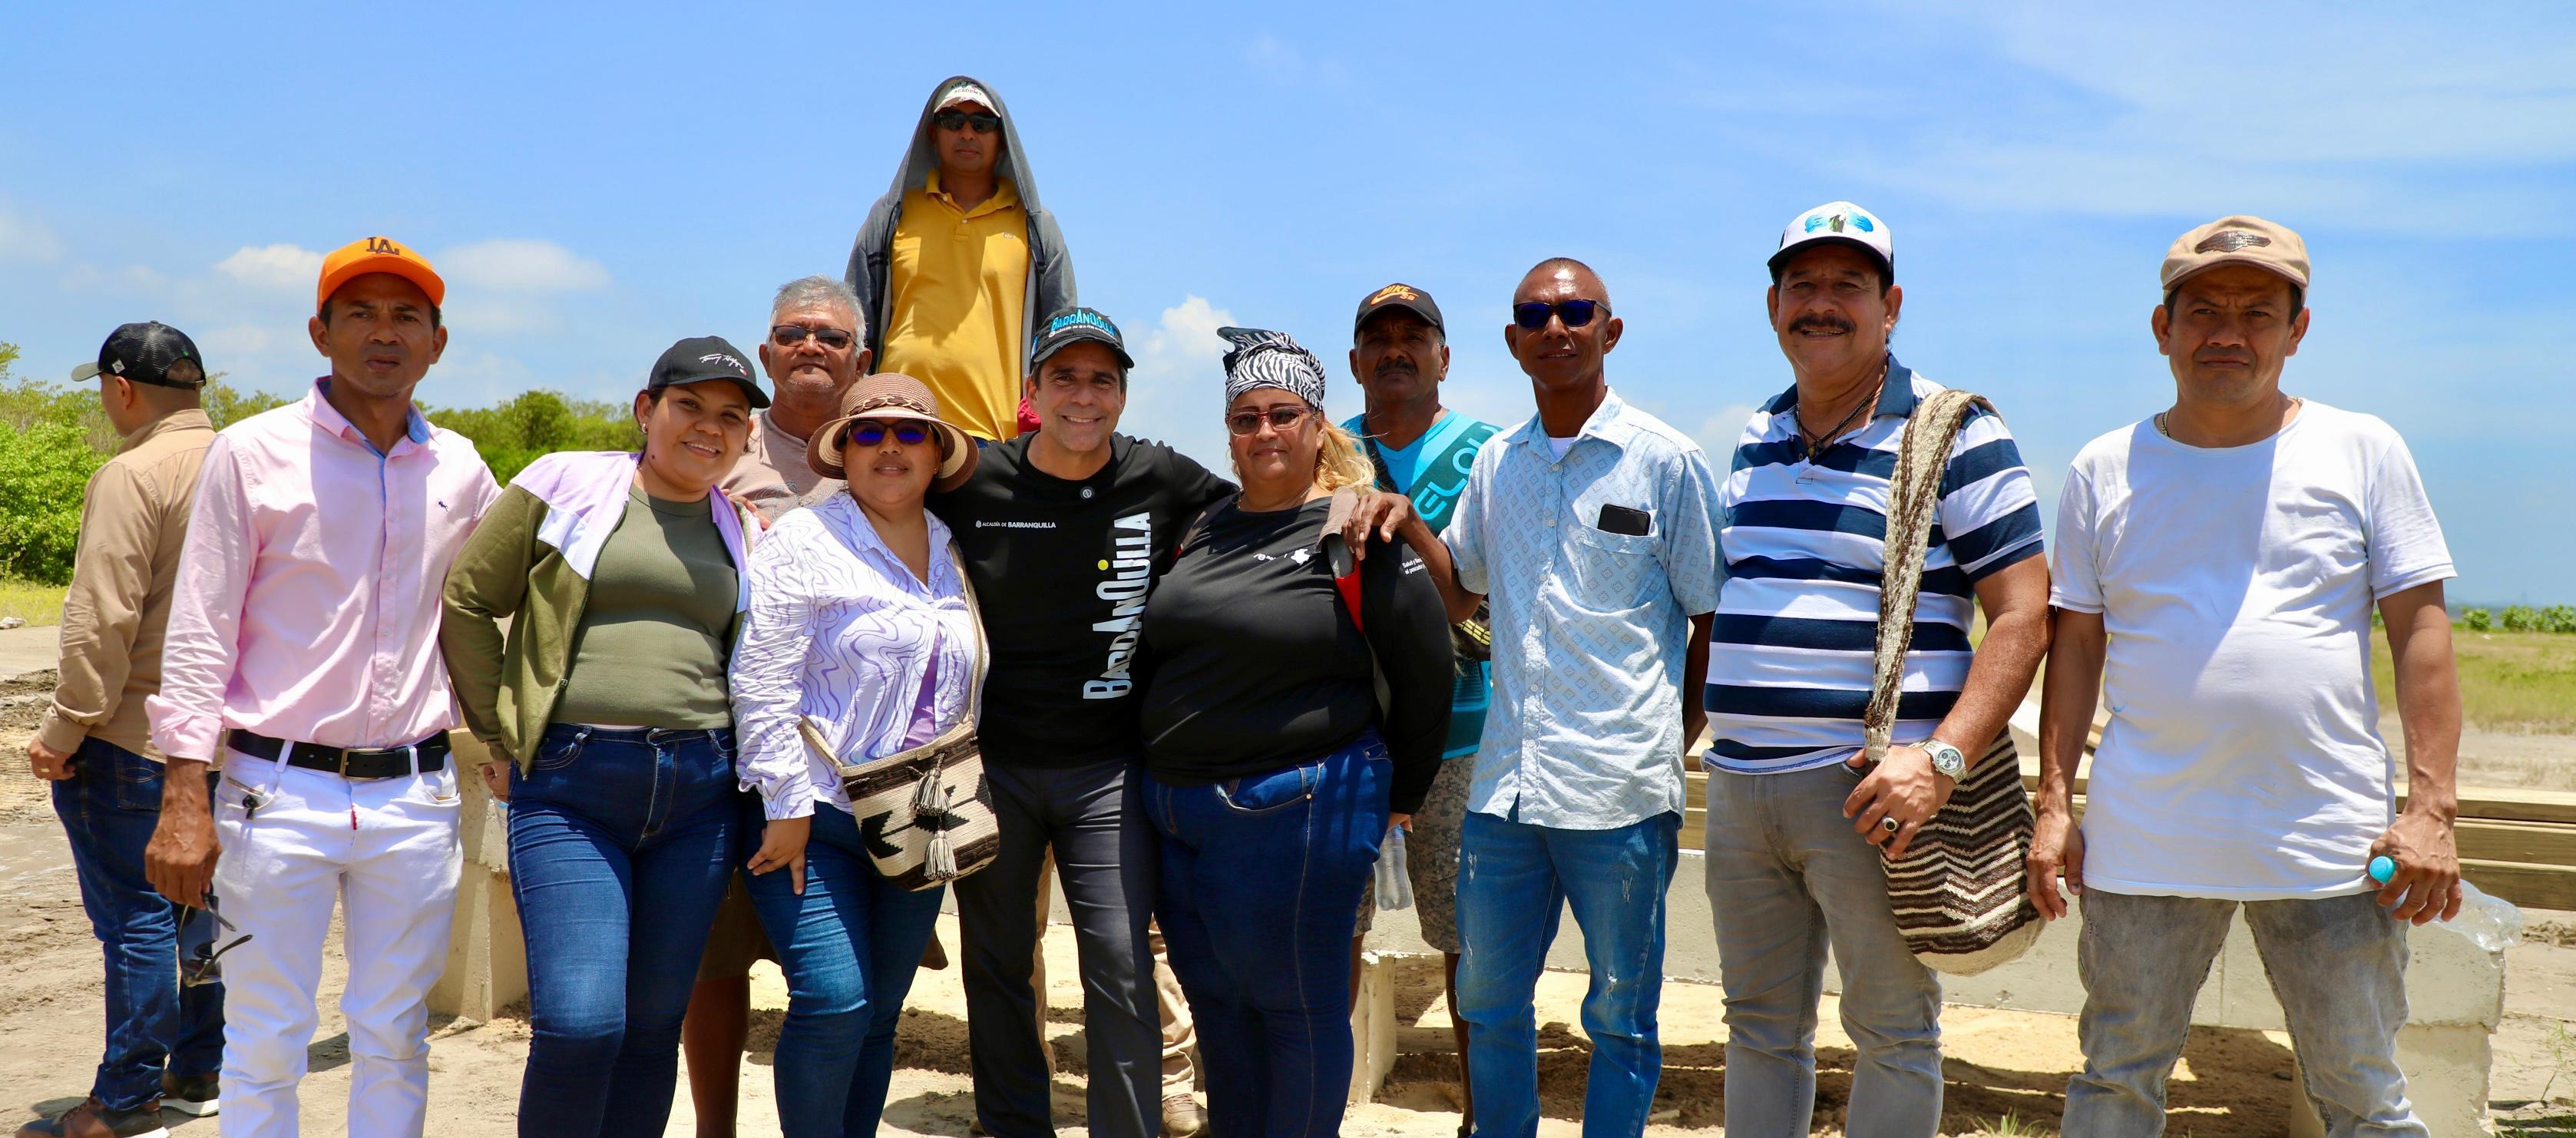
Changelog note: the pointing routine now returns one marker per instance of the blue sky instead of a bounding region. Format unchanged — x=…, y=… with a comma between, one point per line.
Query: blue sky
x=598, y=182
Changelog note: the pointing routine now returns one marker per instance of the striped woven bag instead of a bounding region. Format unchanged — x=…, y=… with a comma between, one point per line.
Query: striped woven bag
x=925, y=814
x=1959, y=893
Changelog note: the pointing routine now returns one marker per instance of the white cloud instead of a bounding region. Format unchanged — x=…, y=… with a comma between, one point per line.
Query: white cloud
x=489, y=316
x=1173, y=393
x=273, y=266
x=27, y=240
x=2372, y=118
x=1282, y=62
x=476, y=379
x=130, y=279
x=1721, y=431
x=234, y=340
x=520, y=266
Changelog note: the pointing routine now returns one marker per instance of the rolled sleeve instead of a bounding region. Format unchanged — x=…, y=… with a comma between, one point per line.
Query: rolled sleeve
x=1689, y=552
x=777, y=631
x=206, y=611
x=103, y=611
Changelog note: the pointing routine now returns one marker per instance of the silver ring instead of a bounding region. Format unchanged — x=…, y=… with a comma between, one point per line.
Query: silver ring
x=1890, y=825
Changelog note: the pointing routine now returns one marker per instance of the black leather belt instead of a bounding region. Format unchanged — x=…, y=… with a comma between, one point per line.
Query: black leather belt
x=348, y=762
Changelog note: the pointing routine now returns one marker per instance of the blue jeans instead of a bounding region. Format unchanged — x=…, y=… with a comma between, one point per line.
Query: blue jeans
x=620, y=845
x=849, y=947
x=109, y=807
x=1514, y=879
x=1259, y=892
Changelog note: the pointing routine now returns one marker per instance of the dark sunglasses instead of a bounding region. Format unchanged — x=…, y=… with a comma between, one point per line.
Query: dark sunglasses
x=983, y=124
x=1576, y=313
x=203, y=970
x=790, y=335
x=868, y=434
x=1281, y=418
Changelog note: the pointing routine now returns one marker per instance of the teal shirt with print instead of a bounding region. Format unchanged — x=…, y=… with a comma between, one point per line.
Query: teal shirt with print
x=1432, y=471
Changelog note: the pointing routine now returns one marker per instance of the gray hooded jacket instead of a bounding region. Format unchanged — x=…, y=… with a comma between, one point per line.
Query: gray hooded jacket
x=871, y=257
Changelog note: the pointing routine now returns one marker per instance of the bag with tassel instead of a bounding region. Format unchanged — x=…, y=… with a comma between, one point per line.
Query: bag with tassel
x=925, y=814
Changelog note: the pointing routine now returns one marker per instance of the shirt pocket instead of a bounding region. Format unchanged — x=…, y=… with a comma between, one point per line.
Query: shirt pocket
x=1611, y=572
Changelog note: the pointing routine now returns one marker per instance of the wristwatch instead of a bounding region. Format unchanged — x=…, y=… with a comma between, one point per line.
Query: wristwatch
x=1946, y=759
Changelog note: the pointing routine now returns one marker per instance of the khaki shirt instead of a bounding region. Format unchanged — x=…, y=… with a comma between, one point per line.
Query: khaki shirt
x=134, y=517
x=772, y=476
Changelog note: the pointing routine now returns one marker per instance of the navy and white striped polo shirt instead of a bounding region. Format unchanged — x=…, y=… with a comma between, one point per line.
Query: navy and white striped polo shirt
x=1789, y=662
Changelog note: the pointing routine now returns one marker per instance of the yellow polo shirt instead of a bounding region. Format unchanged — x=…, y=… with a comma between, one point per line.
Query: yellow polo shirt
x=959, y=281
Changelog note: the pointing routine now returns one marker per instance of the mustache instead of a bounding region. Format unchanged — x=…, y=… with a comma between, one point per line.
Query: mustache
x=1395, y=367
x=1824, y=320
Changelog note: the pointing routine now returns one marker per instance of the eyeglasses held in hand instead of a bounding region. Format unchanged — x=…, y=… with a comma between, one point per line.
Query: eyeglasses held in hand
x=790, y=335
x=983, y=124
x=204, y=969
x=1280, y=418
x=911, y=434
x=1576, y=313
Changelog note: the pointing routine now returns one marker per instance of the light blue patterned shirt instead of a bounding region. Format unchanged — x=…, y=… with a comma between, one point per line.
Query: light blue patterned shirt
x=1590, y=627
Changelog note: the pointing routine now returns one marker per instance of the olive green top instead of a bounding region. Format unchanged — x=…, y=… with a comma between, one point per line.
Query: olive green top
x=657, y=629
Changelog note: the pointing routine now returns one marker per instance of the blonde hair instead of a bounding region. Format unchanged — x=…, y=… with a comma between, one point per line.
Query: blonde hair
x=1339, y=463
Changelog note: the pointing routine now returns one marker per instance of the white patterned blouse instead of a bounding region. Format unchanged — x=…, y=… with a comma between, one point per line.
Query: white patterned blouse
x=839, y=631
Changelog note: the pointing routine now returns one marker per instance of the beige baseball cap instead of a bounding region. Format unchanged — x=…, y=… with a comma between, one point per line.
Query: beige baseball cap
x=2241, y=239
x=964, y=93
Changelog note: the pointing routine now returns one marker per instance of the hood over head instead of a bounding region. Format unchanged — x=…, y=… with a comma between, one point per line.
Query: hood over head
x=914, y=171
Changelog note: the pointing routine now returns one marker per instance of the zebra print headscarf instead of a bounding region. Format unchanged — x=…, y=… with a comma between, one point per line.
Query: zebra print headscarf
x=1262, y=358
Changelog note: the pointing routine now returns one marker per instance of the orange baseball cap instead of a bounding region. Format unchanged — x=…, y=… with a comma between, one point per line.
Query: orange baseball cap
x=377, y=255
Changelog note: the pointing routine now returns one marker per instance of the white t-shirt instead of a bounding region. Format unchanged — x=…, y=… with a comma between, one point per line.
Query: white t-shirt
x=2243, y=758
x=1560, y=446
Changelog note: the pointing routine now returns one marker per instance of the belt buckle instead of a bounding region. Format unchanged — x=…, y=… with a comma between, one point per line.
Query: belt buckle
x=370, y=753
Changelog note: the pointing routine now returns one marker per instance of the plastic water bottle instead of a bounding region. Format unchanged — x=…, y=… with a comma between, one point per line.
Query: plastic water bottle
x=1394, y=888
x=2490, y=922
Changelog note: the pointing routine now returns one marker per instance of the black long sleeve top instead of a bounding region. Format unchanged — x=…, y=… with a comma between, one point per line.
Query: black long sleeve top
x=1257, y=665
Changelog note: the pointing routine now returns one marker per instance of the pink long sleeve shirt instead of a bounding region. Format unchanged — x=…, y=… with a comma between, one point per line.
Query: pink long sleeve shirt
x=307, y=602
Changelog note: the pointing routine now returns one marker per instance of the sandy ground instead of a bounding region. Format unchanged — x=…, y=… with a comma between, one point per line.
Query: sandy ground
x=2000, y=1064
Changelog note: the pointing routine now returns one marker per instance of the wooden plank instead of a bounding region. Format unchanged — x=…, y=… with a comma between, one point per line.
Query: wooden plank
x=2533, y=845
x=2496, y=804
x=2514, y=804
x=2531, y=886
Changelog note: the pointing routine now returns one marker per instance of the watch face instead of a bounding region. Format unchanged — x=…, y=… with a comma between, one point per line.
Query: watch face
x=1946, y=759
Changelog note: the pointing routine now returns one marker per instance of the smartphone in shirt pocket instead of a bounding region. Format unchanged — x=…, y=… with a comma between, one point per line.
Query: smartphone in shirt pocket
x=1624, y=521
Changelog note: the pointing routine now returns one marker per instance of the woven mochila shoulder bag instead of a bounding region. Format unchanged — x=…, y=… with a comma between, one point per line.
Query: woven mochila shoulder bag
x=926, y=814
x=1959, y=892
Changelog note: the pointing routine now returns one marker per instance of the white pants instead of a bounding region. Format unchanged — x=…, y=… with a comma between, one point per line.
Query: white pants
x=384, y=848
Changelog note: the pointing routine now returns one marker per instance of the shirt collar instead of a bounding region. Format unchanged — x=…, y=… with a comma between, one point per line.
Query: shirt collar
x=329, y=418
x=872, y=546
x=1607, y=423
x=185, y=420
x=1895, y=398
x=1004, y=196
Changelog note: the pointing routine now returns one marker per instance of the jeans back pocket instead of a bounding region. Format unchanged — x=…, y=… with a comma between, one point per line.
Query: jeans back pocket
x=138, y=780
